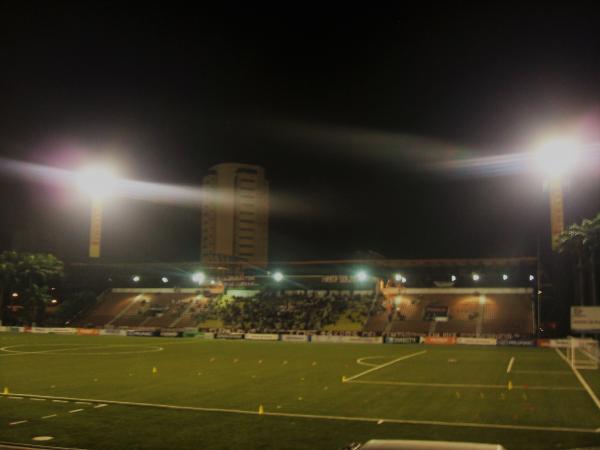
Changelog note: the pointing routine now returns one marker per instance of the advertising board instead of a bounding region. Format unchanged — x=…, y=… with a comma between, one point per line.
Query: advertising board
x=294, y=338
x=439, y=340
x=476, y=341
x=88, y=332
x=585, y=318
x=402, y=340
x=262, y=336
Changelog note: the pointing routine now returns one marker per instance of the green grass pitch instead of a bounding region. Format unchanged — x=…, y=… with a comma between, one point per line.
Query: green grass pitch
x=207, y=394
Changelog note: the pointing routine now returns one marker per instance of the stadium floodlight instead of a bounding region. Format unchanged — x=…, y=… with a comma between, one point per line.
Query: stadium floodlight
x=556, y=156
x=531, y=277
x=476, y=277
x=403, y=280
x=453, y=278
x=398, y=277
x=164, y=279
x=504, y=277
x=361, y=276
x=54, y=301
x=14, y=294
x=199, y=277
x=136, y=278
x=278, y=276
x=98, y=182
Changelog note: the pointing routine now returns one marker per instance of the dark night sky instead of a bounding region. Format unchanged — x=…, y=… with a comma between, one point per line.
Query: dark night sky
x=322, y=99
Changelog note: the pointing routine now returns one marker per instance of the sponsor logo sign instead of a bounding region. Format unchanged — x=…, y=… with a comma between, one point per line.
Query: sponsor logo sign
x=294, y=337
x=164, y=333
x=229, y=336
x=476, y=341
x=402, y=340
x=45, y=330
x=113, y=332
x=439, y=340
x=585, y=318
x=88, y=331
x=261, y=336
x=144, y=333
x=346, y=339
x=517, y=342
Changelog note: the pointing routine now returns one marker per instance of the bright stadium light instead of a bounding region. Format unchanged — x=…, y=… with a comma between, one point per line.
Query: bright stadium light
x=403, y=280
x=504, y=277
x=278, y=276
x=98, y=181
x=164, y=279
x=556, y=156
x=476, y=277
x=199, y=277
x=453, y=278
x=398, y=277
x=361, y=276
x=136, y=278
x=14, y=295
x=531, y=278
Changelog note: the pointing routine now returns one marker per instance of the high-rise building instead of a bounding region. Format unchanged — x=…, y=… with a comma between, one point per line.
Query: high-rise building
x=235, y=214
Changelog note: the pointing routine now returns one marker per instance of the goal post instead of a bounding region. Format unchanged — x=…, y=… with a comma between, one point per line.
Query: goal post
x=583, y=353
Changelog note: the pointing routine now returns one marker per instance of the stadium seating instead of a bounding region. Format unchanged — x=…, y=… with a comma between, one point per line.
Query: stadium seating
x=429, y=313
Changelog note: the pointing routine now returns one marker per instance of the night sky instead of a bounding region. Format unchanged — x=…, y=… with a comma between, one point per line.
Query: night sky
x=352, y=112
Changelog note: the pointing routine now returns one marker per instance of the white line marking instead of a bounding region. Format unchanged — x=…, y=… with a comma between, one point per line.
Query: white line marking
x=18, y=422
x=60, y=401
x=16, y=398
x=325, y=417
x=38, y=399
x=362, y=362
x=553, y=372
x=101, y=405
x=75, y=411
x=82, y=403
x=46, y=447
x=381, y=366
x=478, y=386
x=581, y=379
x=50, y=416
x=510, y=364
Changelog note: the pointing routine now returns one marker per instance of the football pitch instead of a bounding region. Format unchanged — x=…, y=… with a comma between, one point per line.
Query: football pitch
x=187, y=393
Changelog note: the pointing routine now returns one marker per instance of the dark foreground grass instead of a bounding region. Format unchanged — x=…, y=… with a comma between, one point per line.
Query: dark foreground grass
x=288, y=378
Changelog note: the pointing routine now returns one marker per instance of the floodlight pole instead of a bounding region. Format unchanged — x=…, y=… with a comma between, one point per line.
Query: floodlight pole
x=95, y=228
x=557, y=216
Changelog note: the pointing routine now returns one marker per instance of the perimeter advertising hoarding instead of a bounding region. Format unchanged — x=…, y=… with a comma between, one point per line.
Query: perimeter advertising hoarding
x=346, y=339
x=294, y=337
x=261, y=336
x=476, y=341
x=439, y=340
x=585, y=319
x=402, y=340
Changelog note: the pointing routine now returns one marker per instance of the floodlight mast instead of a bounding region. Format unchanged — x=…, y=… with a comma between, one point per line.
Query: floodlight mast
x=98, y=183
x=556, y=158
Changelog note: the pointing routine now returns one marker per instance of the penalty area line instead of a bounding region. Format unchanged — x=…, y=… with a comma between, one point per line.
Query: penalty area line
x=580, y=378
x=326, y=417
x=381, y=366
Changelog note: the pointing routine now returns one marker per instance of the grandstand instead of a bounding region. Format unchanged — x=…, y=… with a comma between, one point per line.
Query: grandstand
x=393, y=311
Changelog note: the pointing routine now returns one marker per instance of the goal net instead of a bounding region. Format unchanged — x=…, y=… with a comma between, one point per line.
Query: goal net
x=583, y=353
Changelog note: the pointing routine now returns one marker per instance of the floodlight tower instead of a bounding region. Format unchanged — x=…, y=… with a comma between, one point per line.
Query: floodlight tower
x=98, y=183
x=557, y=157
